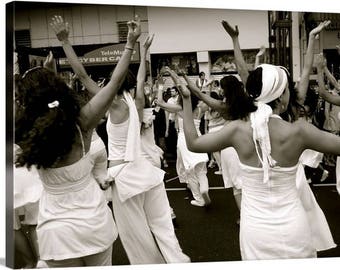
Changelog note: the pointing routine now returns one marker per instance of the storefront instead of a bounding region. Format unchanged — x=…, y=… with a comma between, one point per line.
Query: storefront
x=98, y=60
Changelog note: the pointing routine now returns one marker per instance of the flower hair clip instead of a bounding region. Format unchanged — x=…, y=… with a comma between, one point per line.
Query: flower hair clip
x=53, y=104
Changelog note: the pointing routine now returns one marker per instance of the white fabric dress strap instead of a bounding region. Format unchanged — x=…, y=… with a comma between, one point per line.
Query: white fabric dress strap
x=133, y=148
x=259, y=123
x=81, y=139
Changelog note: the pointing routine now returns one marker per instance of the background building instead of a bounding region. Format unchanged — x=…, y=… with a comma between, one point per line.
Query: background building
x=189, y=38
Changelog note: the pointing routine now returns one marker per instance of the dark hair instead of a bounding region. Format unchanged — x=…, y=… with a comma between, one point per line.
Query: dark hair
x=44, y=134
x=215, y=95
x=294, y=107
x=238, y=102
x=217, y=83
x=174, y=88
x=201, y=73
x=128, y=83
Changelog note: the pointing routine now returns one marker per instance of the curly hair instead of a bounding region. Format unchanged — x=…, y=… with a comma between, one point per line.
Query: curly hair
x=44, y=134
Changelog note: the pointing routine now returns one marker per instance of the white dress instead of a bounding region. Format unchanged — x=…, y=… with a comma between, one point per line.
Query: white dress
x=74, y=219
x=27, y=188
x=187, y=160
x=148, y=146
x=230, y=164
x=338, y=174
x=274, y=224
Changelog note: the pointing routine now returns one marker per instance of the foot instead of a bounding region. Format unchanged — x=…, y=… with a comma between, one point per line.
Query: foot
x=211, y=164
x=165, y=164
x=41, y=264
x=197, y=203
x=218, y=172
x=324, y=175
x=206, y=198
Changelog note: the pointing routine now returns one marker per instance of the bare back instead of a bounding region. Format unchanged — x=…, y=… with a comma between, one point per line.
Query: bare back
x=286, y=147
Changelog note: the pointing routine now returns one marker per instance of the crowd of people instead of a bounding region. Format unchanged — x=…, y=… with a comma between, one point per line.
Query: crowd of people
x=77, y=191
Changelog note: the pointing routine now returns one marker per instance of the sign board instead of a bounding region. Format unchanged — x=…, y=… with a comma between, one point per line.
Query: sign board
x=104, y=56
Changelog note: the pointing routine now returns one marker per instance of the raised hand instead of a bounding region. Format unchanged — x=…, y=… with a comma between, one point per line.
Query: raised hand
x=181, y=72
x=233, y=32
x=134, y=30
x=315, y=32
x=320, y=61
x=60, y=28
x=148, y=42
x=49, y=62
x=261, y=51
x=160, y=80
x=173, y=75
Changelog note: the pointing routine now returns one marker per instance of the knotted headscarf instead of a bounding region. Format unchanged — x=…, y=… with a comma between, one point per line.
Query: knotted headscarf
x=274, y=82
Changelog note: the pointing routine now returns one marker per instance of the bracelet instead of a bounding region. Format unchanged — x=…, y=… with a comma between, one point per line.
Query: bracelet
x=128, y=48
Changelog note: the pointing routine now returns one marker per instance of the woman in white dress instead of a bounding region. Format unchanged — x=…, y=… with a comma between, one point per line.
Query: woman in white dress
x=191, y=167
x=233, y=90
x=274, y=224
x=75, y=225
x=329, y=97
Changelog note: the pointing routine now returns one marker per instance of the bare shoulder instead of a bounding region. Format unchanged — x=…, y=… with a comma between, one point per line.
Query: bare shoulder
x=237, y=126
x=119, y=111
x=301, y=126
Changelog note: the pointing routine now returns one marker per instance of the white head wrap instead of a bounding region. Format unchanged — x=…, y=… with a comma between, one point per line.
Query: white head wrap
x=274, y=82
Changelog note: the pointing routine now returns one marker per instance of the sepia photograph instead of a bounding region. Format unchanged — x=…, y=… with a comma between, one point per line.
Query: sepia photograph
x=150, y=134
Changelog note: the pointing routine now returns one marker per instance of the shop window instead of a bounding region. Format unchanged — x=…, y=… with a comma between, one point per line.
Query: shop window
x=223, y=61
x=184, y=61
x=22, y=38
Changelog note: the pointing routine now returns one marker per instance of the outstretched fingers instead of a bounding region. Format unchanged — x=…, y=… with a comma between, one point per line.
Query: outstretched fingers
x=233, y=32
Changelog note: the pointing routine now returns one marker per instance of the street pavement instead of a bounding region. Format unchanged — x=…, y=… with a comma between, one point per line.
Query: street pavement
x=212, y=234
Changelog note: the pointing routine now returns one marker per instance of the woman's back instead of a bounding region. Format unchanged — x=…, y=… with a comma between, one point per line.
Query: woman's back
x=286, y=148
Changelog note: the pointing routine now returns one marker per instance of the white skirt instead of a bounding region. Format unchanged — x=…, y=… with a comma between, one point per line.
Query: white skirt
x=230, y=164
x=189, y=159
x=338, y=174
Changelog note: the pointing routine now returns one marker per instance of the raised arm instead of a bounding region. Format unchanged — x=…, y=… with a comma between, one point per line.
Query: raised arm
x=320, y=65
x=140, y=99
x=331, y=78
x=95, y=109
x=215, y=104
x=172, y=108
x=308, y=63
x=258, y=56
x=239, y=60
x=61, y=29
x=318, y=140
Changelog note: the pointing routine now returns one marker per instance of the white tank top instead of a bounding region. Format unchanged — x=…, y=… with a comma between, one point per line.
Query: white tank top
x=117, y=139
